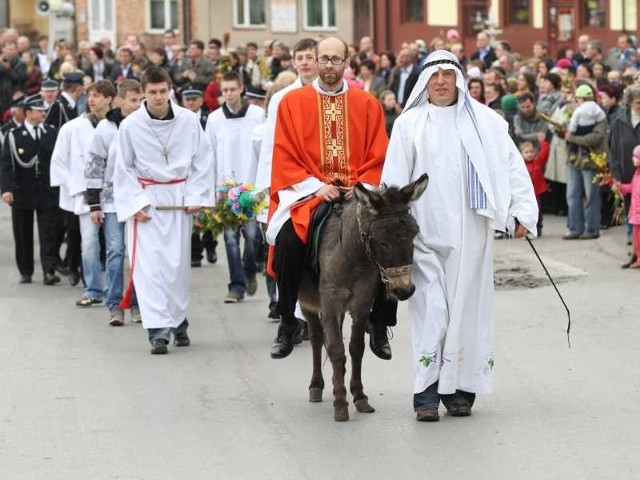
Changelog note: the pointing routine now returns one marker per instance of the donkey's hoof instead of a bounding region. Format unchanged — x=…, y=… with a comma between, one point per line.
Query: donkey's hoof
x=341, y=414
x=315, y=394
x=363, y=406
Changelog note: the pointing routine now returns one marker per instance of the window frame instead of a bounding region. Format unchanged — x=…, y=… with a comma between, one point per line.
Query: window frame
x=247, y=15
x=584, y=15
x=403, y=13
x=325, y=17
x=167, y=16
x=509, y=9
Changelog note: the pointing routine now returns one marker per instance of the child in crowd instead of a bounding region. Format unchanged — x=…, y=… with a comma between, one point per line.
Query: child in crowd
x=633, y=189
x=584, y=117
x=535, y=162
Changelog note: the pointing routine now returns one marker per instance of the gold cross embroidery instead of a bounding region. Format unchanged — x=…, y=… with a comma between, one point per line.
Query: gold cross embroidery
x=335, y=149
x=333, y=111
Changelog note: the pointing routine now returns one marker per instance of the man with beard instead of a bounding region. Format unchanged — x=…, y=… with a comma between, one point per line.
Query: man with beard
x=328, y=137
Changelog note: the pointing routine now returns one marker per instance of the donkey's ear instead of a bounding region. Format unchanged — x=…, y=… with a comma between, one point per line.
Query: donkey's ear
x=367, y=198
x=413, y=191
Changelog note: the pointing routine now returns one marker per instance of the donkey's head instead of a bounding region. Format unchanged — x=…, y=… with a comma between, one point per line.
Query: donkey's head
x=387, y=230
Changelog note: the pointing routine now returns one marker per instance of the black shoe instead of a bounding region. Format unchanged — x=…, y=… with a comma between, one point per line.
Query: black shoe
x=283, y=344
x=378, y=341
x=273, y=315
x=212, y=256
x=74, y=279
x=25, y=278
x=159, y=347
x=182, y=340
x=631, y=261
x=196, y=263
x=51, y=279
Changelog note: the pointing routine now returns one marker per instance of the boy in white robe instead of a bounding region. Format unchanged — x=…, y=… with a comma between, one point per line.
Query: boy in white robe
x=229, y=131
x=478, y=183
x=99, y=197
x=69, y=159
x=163, y=175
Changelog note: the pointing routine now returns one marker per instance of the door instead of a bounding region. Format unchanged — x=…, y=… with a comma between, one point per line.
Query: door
x=561, y=18
x=102, y=14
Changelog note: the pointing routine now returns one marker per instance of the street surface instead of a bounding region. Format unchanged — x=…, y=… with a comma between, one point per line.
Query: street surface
x=82, y=400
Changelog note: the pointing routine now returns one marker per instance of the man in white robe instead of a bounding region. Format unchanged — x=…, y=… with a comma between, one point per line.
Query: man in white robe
x=478, y=183
x=163, y=160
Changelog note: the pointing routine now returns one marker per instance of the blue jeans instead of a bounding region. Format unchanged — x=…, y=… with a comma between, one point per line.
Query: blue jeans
x=165, y=333
x=583, y=200
x=427, y=398
x=242, y=267
x=114, y=242
x=91, y=267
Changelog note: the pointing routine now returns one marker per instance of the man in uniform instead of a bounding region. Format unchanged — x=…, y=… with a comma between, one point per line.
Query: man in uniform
x=24, y=184
x=192, y=99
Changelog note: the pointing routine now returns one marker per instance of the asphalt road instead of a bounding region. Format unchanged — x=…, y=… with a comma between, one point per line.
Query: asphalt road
x=82, y=400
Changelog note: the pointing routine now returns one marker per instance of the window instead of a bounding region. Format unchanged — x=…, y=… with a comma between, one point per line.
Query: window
x=249, y=13
x=594, y=13
x=101, y=15
x=162, y=15
x=320, y=14
x=413, y=10
x=518, y=12
x=474, y=16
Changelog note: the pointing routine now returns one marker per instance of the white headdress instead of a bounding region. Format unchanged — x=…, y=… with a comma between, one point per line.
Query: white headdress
x=479, y=189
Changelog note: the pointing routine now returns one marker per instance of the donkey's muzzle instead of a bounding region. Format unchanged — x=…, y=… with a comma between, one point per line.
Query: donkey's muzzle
x=403, y=293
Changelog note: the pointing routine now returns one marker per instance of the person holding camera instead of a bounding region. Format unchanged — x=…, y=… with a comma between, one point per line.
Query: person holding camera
x=13, y=74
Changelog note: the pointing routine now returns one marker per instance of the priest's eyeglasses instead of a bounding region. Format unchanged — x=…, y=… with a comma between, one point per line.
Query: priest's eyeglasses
x=333, y=60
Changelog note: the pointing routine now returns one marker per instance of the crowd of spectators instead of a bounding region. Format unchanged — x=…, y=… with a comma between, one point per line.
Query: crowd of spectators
x=537, y=93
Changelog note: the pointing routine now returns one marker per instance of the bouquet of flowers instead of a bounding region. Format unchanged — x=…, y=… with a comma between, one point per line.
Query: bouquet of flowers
x=604, y=178
x=236, y=204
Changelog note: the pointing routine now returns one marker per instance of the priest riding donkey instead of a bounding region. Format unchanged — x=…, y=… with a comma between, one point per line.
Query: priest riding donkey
x=372, y=240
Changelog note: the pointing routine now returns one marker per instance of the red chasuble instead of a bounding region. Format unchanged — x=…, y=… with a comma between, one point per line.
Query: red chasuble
x=340, y=140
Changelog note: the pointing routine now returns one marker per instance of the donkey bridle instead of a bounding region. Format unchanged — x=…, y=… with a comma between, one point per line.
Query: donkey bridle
x=386, y=273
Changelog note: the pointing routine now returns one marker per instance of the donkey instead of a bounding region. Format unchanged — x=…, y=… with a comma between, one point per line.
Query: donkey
x=370, y=241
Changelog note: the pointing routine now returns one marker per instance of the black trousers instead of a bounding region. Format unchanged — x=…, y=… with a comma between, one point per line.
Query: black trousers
x=73, y=255
x=289, y=263
x=48, y=220
x=198, y=244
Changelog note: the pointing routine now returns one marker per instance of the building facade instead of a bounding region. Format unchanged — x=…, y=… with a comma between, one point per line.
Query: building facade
x=522, y=22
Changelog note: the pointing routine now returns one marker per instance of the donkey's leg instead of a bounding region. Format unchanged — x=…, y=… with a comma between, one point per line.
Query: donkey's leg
x=315, y=336
x=356, y=350
x=332, y=325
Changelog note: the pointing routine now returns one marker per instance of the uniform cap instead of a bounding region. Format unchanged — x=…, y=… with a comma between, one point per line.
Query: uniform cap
x=73, y=78
x=34, y=102
x=49, y=85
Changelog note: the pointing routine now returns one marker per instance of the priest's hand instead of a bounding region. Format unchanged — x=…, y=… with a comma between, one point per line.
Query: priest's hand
x=328, y=193
x=7, y=197
x=347, y=192
x=142, y=216
x=193, y=210
x=96, y=217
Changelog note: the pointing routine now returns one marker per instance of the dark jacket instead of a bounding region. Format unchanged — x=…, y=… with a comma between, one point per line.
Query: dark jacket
x=106, y=73
x=60, y=112
x=622, y=140
x=13, y=78
x=412, y=79
x=31, y=187
x=488, y=59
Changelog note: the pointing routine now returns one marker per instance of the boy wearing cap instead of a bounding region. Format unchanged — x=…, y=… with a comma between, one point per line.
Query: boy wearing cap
x=63, y=108
x=24, y=184
x=584, y=117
